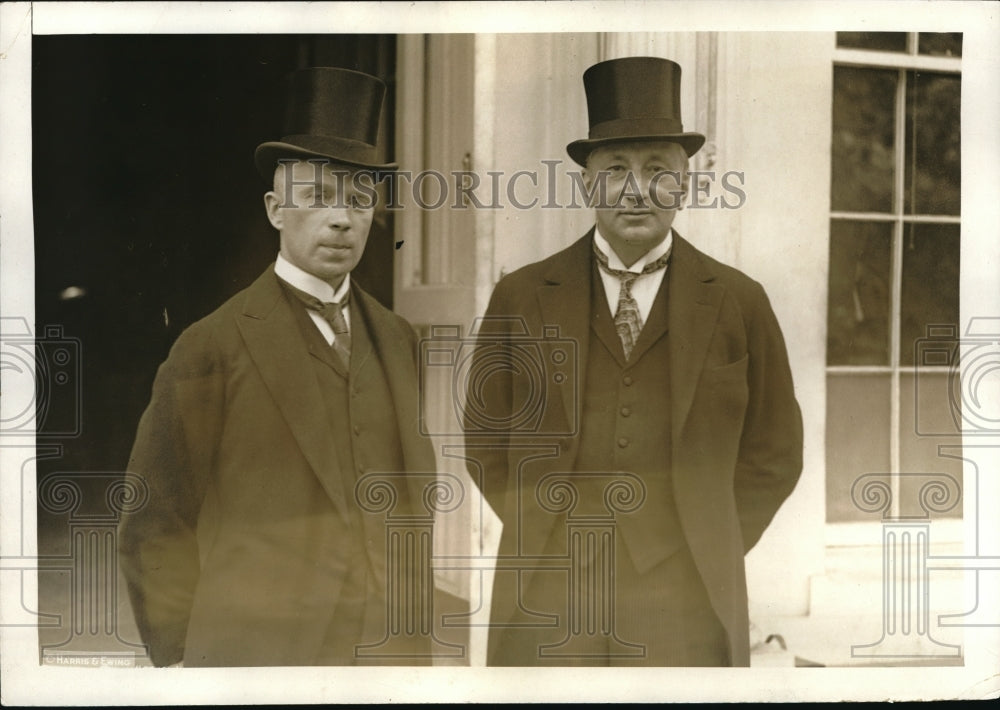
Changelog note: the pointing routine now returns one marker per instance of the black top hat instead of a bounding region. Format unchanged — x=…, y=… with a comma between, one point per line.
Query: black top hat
x=633, y=99
x=331, y=113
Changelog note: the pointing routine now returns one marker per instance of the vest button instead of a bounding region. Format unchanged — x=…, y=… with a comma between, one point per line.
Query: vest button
x=627, y=380
x=622, y=442
x=626, y=412
x=357, y=429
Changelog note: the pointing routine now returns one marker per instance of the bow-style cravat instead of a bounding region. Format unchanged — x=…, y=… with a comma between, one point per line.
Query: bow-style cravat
x=628, y=320
x=333, y=313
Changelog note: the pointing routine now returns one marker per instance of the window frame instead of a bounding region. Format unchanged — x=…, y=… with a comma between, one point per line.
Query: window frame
x=901, y=62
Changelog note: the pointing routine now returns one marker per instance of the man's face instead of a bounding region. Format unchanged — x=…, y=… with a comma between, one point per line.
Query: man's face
x=323, y=217
x=646, y=186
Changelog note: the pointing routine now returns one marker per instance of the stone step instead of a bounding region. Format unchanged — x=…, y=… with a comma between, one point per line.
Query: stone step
x=846, y=616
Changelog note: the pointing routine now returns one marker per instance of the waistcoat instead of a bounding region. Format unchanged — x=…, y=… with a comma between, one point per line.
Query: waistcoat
x=364, y=435
x=625, y=427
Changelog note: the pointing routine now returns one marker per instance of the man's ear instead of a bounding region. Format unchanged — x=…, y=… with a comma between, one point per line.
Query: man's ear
x=272, y=204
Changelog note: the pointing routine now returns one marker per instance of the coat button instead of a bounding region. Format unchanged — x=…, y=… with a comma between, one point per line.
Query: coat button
x=622, y=442
x=626, y=412
x=357, y=429
x=627, y=380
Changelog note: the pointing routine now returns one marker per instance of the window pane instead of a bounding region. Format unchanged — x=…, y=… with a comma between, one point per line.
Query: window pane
x=931, y=255
x=941, y=44
x=884, y=41
x=933, y=143
x=858, y=301
x=863, y=132
x=857, y=439
x=925, y=423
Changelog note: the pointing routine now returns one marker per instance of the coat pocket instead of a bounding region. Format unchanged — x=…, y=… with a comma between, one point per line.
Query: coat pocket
x=730, y=372
x=726, y=391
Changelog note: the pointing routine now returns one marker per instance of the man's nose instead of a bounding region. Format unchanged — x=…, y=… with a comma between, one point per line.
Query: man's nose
x=636, y=192
x=338, y=218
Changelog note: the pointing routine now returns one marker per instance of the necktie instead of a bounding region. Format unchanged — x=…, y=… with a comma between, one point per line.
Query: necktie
x=333, y=313
x=628, y=321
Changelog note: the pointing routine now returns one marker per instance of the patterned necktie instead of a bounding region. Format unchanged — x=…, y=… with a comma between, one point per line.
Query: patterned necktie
x=333, y=313
x=628, y=320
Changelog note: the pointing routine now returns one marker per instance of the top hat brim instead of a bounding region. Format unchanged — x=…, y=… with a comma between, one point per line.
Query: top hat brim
x=268, y=154
x=579, y=150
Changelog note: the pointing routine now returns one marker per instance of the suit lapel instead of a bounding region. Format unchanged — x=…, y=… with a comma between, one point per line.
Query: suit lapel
x=564, y=300
x=693, y=307
x=693, y=302
x=601, y=318
x=276, y=346
x=361, y=346
x=395, y=352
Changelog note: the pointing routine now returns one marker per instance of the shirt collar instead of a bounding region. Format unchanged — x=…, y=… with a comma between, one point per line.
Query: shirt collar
x=650, y=256
x=313, y=285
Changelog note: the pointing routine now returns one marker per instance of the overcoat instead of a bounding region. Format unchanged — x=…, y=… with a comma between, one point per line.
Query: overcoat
x=236, y=557
x=736, y=427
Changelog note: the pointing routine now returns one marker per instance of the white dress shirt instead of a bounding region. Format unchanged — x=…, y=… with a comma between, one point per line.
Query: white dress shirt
x=645, y=287
x=317, y=287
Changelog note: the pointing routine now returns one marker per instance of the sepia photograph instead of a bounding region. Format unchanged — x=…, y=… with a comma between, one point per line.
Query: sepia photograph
x=451, y=352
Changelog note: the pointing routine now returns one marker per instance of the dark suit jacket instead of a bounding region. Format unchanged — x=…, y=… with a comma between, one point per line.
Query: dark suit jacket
x=736, y=426
x=233, y=561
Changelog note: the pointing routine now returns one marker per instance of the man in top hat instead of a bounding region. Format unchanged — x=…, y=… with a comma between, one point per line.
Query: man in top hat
x=673, y=415
x=255, y=547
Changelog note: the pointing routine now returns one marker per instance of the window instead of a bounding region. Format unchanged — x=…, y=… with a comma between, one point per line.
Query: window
x=894, y=253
